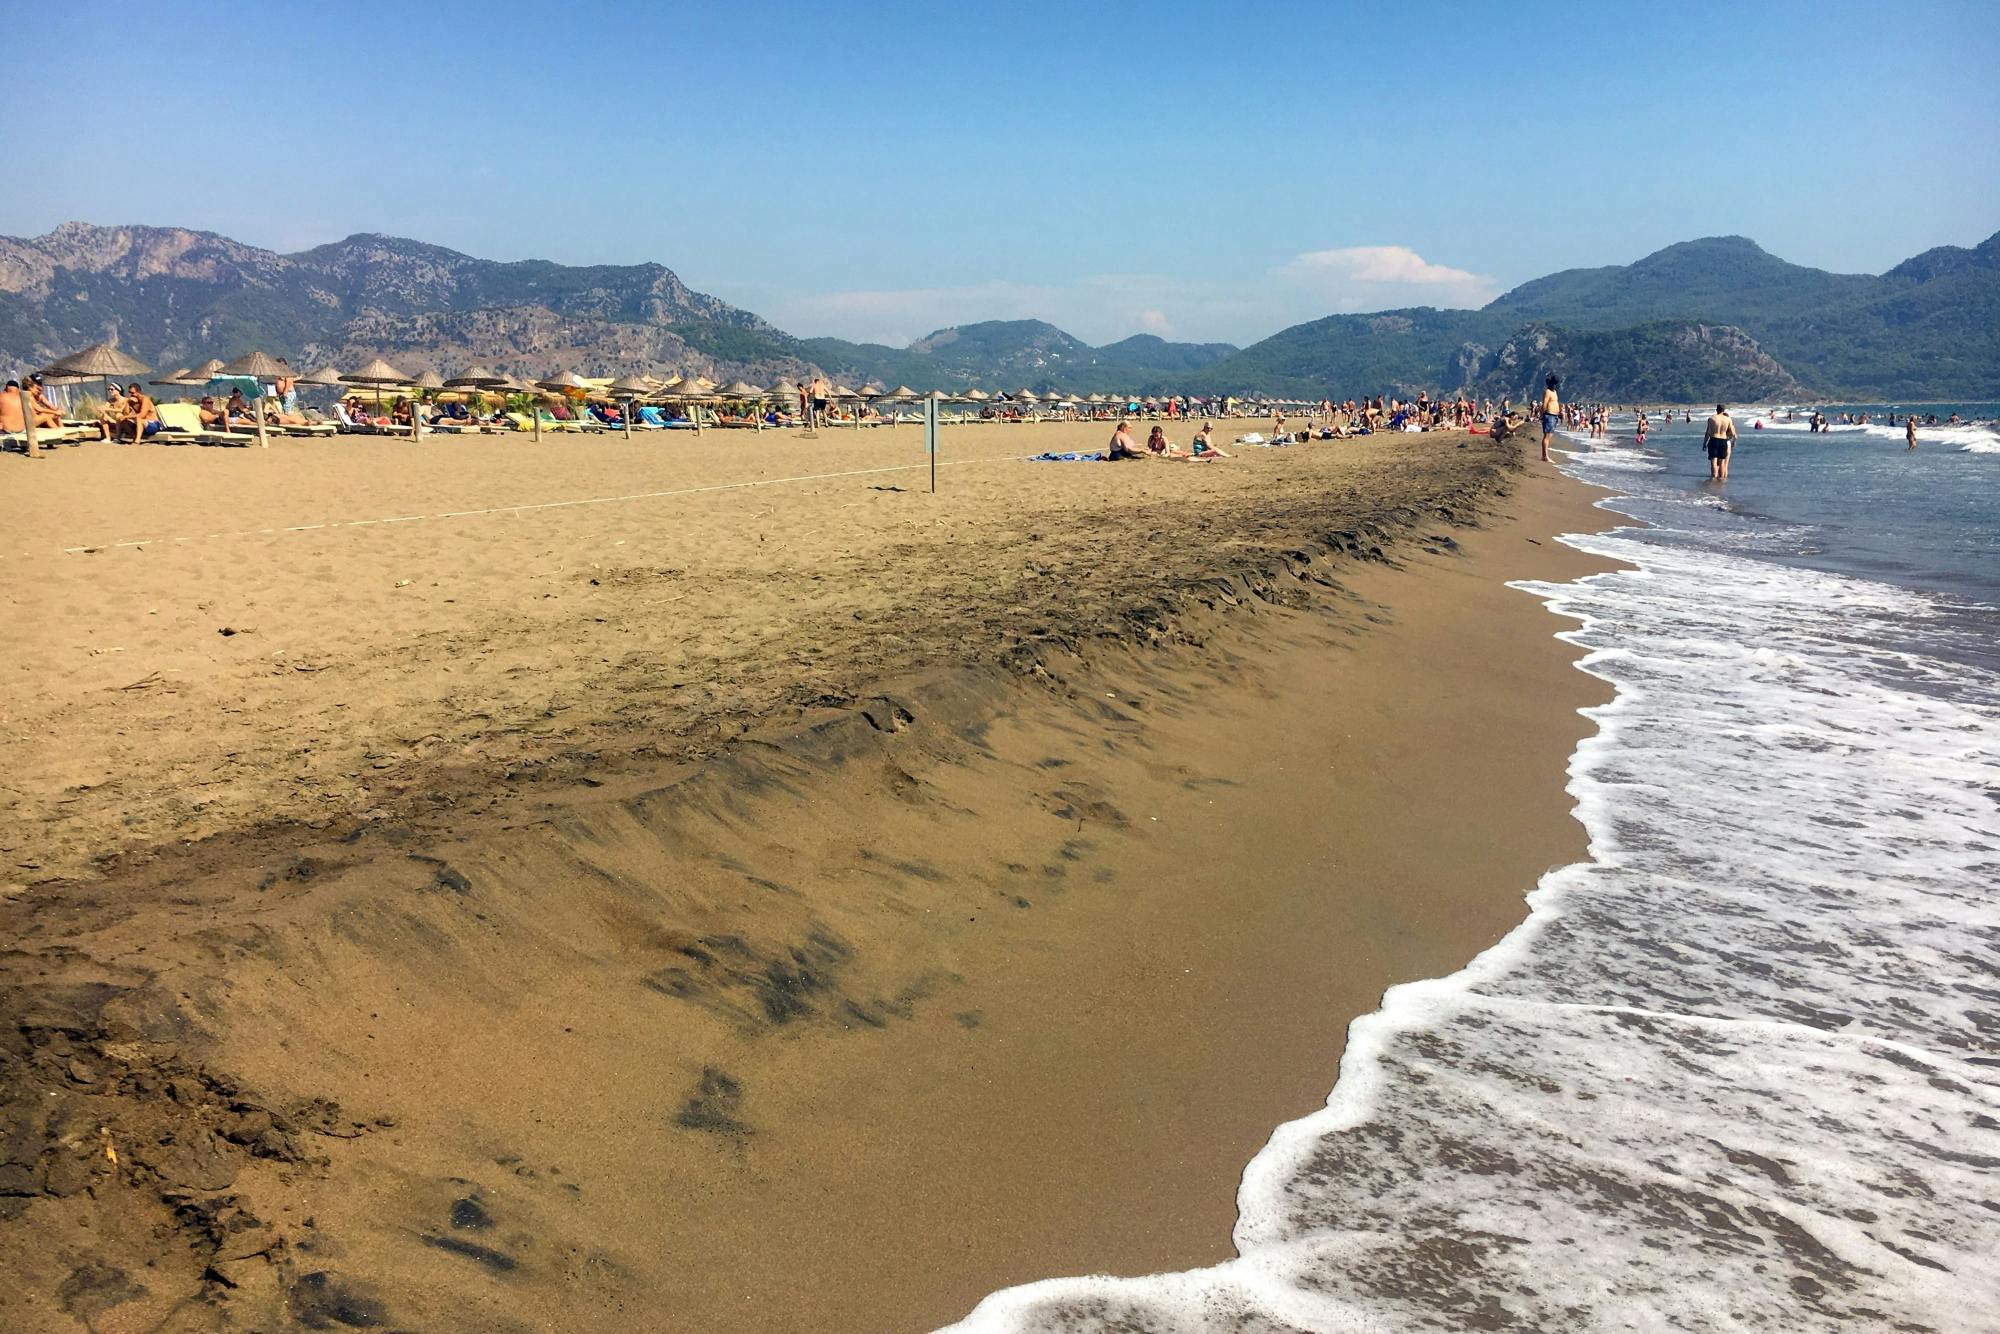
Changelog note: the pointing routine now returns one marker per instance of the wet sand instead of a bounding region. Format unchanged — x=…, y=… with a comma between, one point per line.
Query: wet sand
x=801, y=906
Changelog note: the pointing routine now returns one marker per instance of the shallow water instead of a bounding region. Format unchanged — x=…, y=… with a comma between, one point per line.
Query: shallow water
x=1741, y=1070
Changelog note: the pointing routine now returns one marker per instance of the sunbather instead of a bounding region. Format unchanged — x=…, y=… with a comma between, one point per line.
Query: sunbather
x=141, y=418
x=46, y=413
x=212, y=417
x=1122, y=445
x=13, y=409
x=1203, y=447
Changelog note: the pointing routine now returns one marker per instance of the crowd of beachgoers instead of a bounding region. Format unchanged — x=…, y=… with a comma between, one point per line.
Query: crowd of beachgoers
x=258, y=396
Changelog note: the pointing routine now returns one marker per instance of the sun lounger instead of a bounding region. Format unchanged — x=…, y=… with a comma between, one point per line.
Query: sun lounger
x=180, y=424
x=46, y=436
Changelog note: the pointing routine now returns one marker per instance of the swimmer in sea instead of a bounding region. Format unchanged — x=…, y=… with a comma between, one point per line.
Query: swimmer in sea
x=1910, y=431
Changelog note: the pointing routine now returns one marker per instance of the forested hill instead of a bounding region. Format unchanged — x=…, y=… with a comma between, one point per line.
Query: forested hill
x=1928, y=328
x=175, y=297
x=1701, y=314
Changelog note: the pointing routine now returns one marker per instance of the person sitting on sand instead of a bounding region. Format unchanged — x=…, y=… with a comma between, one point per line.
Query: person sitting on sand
x=1204, y=447
x=1160, y=447
x=1122, y=445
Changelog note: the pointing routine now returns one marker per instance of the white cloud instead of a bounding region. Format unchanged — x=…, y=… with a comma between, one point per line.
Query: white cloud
x=1103, y=308
x=1358, y=277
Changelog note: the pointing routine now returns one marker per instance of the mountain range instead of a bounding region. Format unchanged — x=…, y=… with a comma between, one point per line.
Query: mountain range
x=1717, y=317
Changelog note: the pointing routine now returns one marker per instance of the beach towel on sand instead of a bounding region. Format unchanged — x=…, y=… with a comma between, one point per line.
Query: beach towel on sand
x=1067, y=458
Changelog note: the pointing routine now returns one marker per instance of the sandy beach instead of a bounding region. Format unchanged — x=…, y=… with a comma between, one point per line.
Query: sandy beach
x=714, y=884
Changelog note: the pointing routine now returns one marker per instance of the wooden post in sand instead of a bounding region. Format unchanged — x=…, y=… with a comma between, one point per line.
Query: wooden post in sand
x=28, y=424
x=263, y=440
x=931, y=435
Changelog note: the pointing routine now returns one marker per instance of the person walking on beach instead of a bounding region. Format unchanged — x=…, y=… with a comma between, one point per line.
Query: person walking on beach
x=822, y=390
x=1551, y=412
x=1719, y=440
x=1910, y=431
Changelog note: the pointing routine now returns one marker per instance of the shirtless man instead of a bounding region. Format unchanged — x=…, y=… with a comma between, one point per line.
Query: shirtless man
x=1122, y=445
x=1551, y=412
x=46, y=413
x=1720, y=441
x=12, y=413
x=1910, y=431
x=141, y=417
x=822, y=392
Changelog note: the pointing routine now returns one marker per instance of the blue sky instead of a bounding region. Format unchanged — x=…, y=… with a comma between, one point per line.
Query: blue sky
x=1196, y=170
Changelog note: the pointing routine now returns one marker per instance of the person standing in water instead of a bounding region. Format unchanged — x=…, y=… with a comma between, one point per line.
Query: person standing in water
x=1719, y=440
x=1551, y=412
x=1910, y=431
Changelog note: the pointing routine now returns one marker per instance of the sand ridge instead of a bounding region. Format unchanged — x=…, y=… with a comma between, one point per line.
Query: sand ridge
x=313, y=673
x=998, y=966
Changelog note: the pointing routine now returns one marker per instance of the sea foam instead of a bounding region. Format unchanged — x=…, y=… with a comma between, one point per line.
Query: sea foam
x=1738, y=1071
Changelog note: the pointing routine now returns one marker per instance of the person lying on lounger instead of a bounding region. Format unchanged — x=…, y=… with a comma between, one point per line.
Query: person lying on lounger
x=212, y=417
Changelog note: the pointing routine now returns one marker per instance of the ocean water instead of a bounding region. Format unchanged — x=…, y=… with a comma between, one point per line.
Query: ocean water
x=1741, y=1069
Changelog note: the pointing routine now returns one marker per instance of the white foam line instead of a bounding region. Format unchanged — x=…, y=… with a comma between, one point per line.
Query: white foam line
x=558, y=504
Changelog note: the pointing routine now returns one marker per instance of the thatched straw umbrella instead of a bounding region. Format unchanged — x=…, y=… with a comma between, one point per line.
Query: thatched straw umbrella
x=378, y=373
x=259, y=368
x=693, y=393
x=630, y=388
x=99, y=361
x=902, y=393
x=477, y=379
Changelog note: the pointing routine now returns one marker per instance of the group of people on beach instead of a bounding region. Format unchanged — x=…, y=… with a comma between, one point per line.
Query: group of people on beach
x=1202, y=449
x=19, y=401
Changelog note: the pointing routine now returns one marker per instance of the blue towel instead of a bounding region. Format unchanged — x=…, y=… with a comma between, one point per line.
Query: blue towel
x=1067, y=458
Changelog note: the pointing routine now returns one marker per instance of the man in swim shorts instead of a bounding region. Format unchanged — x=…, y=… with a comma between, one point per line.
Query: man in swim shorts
x=1719, y=440
x=1551, y=412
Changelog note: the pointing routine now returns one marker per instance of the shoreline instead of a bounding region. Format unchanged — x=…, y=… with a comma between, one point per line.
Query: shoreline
x=1068, y=1081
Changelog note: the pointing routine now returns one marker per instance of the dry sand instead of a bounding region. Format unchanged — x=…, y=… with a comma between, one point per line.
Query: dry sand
x=798, y=905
